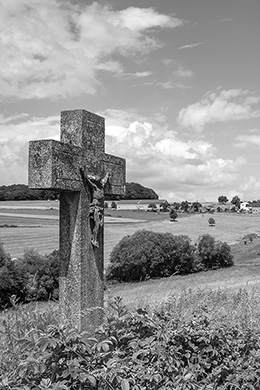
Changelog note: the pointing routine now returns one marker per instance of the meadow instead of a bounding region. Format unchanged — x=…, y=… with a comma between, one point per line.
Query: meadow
x=37, y=228
x=197, y=331
x=35, y=224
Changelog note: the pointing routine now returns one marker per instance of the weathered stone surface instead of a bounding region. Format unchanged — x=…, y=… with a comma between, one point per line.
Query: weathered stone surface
x=56, y=165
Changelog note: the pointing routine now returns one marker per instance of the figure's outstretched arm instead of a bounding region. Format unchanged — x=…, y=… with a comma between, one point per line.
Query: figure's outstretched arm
x=88, y=185
x=106, y=179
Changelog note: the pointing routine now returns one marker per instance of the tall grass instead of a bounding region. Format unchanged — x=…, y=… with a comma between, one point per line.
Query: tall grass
x=222, y=308
x=16, y=323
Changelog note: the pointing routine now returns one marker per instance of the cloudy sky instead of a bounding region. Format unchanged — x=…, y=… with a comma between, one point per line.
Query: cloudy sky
x=176, y=80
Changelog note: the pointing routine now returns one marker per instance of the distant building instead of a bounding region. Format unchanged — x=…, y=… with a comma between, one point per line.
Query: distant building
x=245, y=206
x=137, y=204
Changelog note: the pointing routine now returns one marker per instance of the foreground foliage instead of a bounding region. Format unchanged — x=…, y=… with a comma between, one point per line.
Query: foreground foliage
x=188, y=342
x=147, y=254
x=32, y=277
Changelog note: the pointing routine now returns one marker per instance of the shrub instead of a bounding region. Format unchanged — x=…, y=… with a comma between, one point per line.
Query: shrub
x=173, y=214
x=214, y=254
x=31, y=278
x=13, y=279
x=155, y=350
x=42, y=274
x=114, y=205
x=211, y=221
x=148, y=254
x=164, y=206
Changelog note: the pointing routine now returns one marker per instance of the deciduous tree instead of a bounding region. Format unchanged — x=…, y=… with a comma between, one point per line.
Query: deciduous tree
x=222, y=199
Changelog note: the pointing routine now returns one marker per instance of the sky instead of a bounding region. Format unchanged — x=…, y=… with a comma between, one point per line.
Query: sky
x=177, y=82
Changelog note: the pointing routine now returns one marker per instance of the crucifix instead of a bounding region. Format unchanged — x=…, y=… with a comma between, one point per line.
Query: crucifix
x=78, y=167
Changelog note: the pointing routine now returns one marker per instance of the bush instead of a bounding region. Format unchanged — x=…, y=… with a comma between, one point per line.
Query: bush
x=31, y=278
x=164, y=206
x=143, y=349
x=114, y=205
x=42, y=273
x=173, y=214
x=146, y=254
x=214, y=254
x=13, y=280
x=211, y=221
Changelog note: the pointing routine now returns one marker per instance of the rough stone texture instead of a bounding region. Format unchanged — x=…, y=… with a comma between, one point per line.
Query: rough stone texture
x=55, y=165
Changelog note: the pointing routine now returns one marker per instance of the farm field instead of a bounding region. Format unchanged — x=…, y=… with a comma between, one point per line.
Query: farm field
x=37, y=226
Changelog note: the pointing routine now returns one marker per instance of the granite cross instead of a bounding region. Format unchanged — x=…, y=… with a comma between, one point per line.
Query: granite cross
x=79, y=168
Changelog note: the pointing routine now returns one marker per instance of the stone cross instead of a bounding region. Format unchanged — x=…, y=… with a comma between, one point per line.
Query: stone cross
x=78, y=167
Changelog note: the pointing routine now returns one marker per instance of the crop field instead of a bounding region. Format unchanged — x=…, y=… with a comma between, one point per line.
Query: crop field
x=35, y=224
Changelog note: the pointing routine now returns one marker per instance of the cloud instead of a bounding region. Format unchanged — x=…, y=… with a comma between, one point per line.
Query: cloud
x=251, y=186
x=165, y=160
x=57, y=49
x=142, y=74
x=179, y=70
x=226, y=20
x=189, y=46
x=246, y=140
x=111, y=66
x=15, y=134
x=183, y=72
x=220, y=106
x=156, y=156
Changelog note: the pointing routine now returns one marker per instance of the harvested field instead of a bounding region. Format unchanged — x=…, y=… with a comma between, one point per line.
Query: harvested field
x=38, y=226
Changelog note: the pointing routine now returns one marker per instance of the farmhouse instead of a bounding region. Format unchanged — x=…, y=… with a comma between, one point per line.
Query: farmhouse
x=245, y=206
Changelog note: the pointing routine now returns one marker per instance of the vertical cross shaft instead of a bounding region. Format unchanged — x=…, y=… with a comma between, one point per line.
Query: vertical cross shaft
x=81, y=277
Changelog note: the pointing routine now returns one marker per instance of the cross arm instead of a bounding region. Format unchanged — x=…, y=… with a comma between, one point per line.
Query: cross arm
x=116, y=167
x=55, y=165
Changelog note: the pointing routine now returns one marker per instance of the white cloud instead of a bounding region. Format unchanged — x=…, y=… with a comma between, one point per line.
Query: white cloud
x=189, y=46
x=142, y=74
x=110, y=66
x=245, y=140
x=139, y=19
x=251, y=185
x=56, y=49
x=164, y=160
x=14, y=139
x=183, y=72
x=156, y=156
x=220, y=106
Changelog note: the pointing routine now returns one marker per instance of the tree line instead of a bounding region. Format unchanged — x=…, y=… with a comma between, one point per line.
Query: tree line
x=22, y=192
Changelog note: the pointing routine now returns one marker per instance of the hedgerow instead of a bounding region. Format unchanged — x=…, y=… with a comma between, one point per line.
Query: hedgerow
x=147, y=254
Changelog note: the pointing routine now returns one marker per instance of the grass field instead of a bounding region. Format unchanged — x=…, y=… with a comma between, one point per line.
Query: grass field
x=38, y=228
